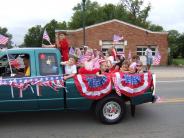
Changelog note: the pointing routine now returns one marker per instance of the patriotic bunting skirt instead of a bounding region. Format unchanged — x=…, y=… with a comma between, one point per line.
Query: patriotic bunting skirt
x=53, y=82
x=132, y=84
x=92, y=86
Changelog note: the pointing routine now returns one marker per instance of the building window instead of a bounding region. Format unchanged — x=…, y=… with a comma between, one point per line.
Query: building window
x=106, y=45
x=141, y=50
x=48, y=64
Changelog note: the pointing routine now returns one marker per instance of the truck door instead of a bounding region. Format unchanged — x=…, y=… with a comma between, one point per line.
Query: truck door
x=48, y=65
x=11, y=97
x=73, y=99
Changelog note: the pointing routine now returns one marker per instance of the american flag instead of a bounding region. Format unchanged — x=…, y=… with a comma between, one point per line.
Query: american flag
x=114, y=53
x=71, y=51
x=3, y=39
x=15, y=63
x=129, y=55
x=46, y=36
x=157, y=58
x=117, y=38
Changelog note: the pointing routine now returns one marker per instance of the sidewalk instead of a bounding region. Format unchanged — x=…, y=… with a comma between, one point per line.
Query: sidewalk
x=165, y=72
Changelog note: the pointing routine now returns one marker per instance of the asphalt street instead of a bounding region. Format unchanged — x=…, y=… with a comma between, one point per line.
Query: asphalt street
x=164, y=119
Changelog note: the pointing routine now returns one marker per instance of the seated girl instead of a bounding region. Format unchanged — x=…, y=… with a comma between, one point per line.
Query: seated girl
x=132, y=67
x=70, y=68
x=87, y=66
x=103, y=68
x=139, y=67
x=125, y=67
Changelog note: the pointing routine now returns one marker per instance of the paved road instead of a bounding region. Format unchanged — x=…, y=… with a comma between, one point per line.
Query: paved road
x=165, y=72
x=161, y=120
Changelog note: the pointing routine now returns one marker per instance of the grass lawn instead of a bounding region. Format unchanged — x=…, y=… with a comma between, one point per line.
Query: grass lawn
x=178, y=61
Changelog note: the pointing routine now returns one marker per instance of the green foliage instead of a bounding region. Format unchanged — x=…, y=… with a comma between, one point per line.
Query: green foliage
x=131, y=11
x=181, y=45
x=34, y=36
x=173, y=42
x=138, y=14
x=52, y=26
x=91, y=14
x=178, y=61
x=156, y=28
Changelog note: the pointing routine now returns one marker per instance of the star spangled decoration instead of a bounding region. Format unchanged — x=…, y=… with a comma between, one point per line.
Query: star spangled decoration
x=132, y=79
x=24, y=83
x=96, y=81
x=132, y=84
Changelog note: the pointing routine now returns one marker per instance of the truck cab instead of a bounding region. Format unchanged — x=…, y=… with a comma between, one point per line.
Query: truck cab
x=45, y=62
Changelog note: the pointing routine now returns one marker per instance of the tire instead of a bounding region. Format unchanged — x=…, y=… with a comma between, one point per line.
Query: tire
x=111, y=109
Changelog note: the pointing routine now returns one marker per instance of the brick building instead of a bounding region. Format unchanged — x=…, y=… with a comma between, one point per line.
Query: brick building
x=136, y=39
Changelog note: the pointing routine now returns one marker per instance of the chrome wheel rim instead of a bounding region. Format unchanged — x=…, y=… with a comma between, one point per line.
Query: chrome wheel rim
x=111, y=110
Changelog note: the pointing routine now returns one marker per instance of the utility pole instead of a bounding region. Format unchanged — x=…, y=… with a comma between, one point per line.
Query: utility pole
x=83, y=20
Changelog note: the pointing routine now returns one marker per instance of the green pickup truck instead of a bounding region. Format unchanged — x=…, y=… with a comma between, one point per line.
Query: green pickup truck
x=45, y=65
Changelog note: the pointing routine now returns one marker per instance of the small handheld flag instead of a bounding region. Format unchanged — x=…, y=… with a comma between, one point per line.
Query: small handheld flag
x=157, y=58
x=3, y=39
x=71, y=51
x=46, y=36
x=117, y=38
x=129, y=56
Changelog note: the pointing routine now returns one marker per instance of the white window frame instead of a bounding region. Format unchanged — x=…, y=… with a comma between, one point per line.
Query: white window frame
x=107, y=44
x=143, y=49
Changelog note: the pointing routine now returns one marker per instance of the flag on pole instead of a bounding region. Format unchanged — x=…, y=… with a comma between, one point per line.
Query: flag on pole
x=3, y=39
x=71, y=51
x=129, y=56
x=157, y=58
x=114, y=53
x=117, y=38
x=15, y=63
x=46, y=36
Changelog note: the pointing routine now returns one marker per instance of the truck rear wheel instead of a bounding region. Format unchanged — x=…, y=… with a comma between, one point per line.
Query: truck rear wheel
x=111, y=109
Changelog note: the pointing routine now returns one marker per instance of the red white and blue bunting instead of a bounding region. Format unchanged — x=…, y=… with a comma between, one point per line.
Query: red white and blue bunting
x=89, y=86
x=132, y=84
x=54, y=82
x=92, y=86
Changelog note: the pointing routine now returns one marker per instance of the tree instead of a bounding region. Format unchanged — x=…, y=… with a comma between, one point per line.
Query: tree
x=181, y=45
x=131, y=11
x=52, y=26
x=34, y=37
x=173, y=42
x=35, y=34
x=96, y=14
x=137, y=13
x=91, y=13
x=157, y=28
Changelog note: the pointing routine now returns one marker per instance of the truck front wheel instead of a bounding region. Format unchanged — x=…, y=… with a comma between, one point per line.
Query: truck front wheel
x=111, y=109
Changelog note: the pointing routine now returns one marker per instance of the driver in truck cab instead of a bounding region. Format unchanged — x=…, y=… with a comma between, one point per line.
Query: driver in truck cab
x=27, y=65
x=26, y=62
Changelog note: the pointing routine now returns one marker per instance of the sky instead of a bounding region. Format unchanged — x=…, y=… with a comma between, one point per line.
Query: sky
x=20, y=15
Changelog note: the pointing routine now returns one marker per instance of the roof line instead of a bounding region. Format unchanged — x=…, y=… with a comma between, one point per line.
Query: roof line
x=113, y=20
